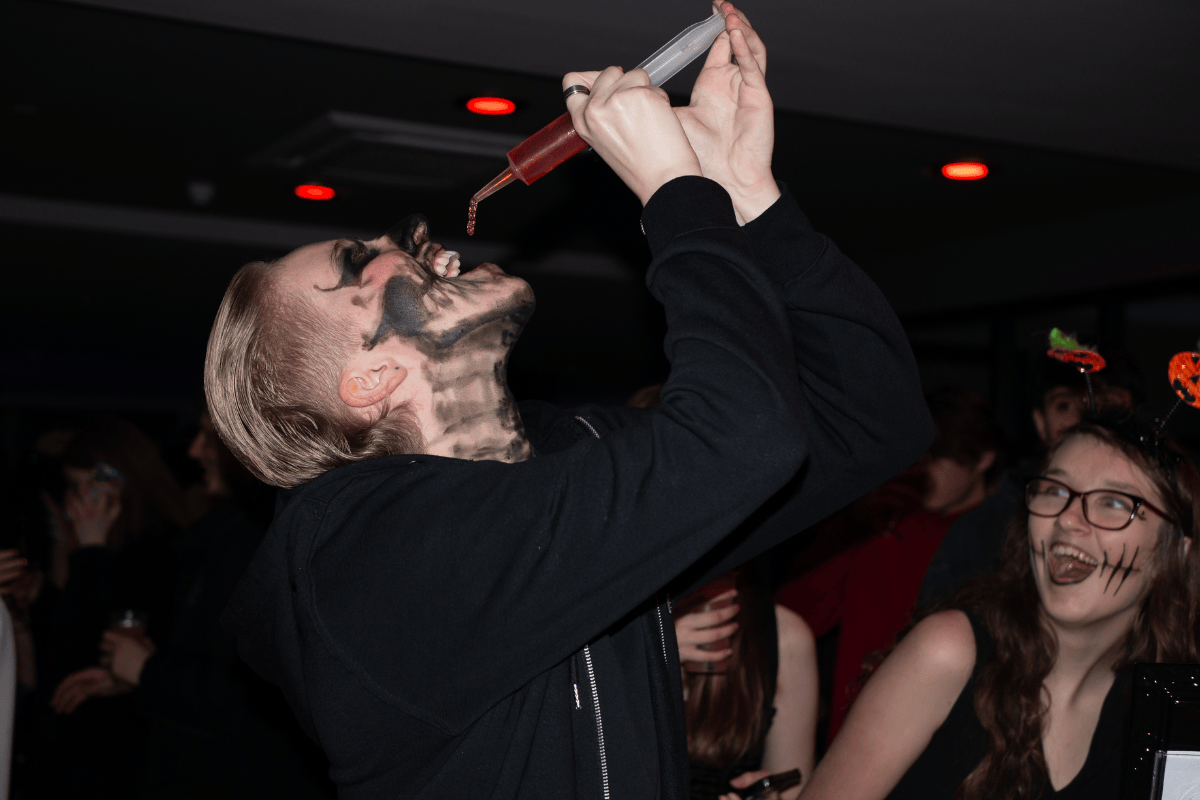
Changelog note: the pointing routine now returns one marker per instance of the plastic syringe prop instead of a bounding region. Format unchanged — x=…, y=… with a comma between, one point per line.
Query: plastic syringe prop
x=558, y=141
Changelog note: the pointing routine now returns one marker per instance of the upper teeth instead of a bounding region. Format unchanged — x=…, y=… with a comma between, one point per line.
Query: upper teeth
x=1061, y=549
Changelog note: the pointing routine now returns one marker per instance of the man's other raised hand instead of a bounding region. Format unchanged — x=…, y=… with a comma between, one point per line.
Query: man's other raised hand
x=730, y=121
x=632, y=126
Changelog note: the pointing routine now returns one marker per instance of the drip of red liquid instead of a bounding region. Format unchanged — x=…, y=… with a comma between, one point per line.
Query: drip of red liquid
x=474, y=207
x=532, y=159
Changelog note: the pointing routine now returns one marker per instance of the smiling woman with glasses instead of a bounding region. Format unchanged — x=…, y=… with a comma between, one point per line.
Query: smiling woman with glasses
x=1019, y=687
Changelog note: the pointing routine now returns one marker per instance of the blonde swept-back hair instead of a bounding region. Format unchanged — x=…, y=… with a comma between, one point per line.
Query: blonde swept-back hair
x=271, y=380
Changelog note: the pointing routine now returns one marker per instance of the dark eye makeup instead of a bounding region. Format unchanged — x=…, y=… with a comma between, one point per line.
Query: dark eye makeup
x=351, y=257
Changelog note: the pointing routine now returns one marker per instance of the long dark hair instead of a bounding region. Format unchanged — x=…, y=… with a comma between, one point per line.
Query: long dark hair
x=726, y=713
x=1009, y=699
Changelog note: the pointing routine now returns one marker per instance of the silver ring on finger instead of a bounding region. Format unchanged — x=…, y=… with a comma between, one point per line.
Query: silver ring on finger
x=578, y=88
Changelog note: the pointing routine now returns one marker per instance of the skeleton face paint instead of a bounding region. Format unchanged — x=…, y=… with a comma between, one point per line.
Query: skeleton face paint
x=392, y=280
x=436, y=313
x=451, y=335
x=1083, y=573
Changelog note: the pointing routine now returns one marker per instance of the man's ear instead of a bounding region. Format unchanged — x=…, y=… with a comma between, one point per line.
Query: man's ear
x=1039, y=423
x=985, y=461
x=369, y=381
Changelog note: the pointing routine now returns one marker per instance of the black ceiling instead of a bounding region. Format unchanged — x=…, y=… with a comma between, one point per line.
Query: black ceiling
x=113, y=109
x=1112, y=79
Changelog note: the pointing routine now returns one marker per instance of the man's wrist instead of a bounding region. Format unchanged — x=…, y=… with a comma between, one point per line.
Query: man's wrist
x=750, y=203
x=664, y=177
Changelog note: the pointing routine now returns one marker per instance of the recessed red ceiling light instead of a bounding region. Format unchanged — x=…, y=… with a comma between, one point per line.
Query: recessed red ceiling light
x=965, y=171
x=312, y=191
x=492, y=106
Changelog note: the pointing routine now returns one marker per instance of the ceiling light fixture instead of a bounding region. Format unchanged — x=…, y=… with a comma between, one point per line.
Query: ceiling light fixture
x=965, y=171
x=491, y=106
x=312, y=191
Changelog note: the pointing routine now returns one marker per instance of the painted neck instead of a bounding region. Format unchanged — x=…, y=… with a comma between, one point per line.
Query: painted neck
x=468, y=411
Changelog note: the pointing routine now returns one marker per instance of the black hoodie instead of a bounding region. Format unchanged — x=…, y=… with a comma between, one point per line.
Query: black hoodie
x=474, y=629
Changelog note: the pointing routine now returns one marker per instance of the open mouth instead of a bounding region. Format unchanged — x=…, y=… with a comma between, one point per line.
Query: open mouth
x=1069, y=564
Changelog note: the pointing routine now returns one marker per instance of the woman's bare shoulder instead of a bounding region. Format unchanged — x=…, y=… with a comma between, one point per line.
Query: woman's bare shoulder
x=794, y=634
x=944, y=644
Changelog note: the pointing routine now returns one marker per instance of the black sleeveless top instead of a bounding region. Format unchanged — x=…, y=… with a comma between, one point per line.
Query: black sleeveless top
x=961, y=743
x=709, y=783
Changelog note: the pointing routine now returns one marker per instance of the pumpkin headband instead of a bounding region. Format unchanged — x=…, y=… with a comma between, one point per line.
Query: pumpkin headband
x=1183, y=372
x=1069, y=351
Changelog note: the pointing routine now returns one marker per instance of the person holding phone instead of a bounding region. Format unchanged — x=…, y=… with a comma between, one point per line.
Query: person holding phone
x=750, y=690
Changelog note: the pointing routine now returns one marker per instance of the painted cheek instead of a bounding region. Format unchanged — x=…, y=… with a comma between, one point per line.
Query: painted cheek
x=381, y=269
x=403, y=309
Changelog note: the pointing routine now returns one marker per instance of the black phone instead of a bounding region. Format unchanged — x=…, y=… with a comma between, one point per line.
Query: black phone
x=759, y=790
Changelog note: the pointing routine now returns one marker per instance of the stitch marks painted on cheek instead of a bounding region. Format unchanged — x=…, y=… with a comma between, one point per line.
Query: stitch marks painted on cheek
x=1066, y=574
x=1036, y=553
x=1120, y=567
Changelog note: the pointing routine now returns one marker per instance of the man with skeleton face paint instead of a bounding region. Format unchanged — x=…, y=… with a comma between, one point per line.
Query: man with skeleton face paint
x=428, y=335
x=465, y=597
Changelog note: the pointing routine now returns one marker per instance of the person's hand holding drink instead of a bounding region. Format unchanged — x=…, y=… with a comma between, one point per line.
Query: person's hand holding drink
x=125, y=647
x=704, y=635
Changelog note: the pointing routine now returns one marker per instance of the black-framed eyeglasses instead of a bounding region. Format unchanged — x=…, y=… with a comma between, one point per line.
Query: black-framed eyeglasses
x=1110, y=510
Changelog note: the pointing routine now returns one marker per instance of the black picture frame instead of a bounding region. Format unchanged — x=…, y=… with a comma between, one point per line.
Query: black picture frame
x=1164, y=715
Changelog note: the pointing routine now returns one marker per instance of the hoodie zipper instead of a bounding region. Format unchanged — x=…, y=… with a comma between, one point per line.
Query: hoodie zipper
x=662, y=633
x=575, y=682
x=587, y=660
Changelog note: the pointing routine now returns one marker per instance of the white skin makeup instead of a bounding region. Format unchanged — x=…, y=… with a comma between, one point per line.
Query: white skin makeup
x=433, y=338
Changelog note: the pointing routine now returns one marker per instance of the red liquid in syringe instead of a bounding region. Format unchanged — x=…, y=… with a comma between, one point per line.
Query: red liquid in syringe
x=532, y=159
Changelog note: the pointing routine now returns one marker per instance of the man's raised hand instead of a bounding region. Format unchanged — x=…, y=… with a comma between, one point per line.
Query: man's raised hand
x=630, y=124
x=730, y=121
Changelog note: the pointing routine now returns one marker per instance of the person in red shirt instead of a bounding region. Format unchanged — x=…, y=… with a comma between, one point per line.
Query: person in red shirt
x=870, y=590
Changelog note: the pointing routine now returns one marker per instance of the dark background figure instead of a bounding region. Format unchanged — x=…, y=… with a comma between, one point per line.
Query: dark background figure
x=122, y=510
x=974, y=545
x=216, y=729
x=26, y=541
x=869, y=591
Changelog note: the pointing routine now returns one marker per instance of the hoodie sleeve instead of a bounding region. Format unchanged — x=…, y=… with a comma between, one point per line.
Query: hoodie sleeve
x=864, y=414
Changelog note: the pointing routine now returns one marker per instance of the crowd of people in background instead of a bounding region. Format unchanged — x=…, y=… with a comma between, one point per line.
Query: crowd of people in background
x=114, y=578
x=954, y=656
x=966, y=659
